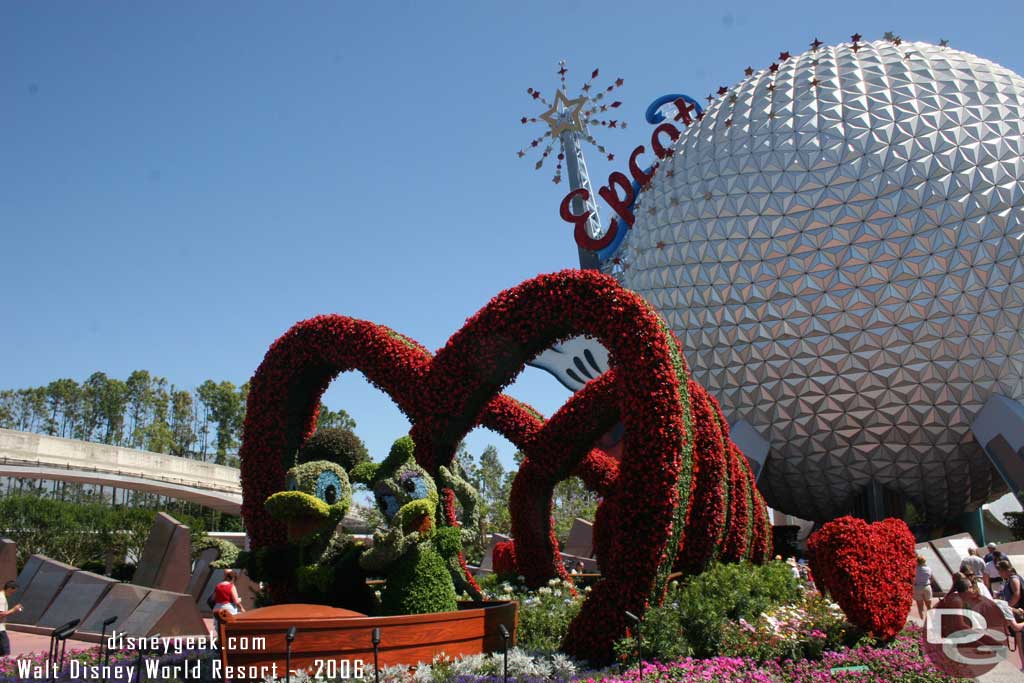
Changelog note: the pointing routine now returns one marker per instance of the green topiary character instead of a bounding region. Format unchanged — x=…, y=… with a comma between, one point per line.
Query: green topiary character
x=326, y=560
x=414, y=554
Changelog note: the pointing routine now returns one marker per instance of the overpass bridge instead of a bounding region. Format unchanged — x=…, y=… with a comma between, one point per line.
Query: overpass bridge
x=35, y=456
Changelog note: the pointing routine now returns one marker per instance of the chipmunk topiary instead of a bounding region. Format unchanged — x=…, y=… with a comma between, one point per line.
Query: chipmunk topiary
x=324, y=559
x=419, y=558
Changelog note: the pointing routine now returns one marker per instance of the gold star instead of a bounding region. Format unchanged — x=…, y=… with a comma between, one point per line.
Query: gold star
x=673, y=201
x=564, y=114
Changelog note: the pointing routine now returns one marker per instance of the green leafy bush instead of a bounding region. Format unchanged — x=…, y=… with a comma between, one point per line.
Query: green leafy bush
x=691, y=620
x=544, y=614
x=336, y=444
x=228, y=551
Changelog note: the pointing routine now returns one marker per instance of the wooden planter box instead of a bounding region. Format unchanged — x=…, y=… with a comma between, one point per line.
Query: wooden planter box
x=338, y=643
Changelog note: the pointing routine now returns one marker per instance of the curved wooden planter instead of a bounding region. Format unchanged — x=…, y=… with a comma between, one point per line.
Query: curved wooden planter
x=327, y=637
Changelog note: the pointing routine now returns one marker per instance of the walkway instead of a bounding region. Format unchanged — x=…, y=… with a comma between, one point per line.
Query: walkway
x=35, y=456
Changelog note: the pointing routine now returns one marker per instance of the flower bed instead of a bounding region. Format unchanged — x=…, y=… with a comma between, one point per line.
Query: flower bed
x=900, y=662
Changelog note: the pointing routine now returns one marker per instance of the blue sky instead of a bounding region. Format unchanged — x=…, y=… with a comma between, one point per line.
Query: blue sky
x=180, y=183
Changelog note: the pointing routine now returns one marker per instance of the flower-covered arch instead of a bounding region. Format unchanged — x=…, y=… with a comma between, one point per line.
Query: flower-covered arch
x=446, y=395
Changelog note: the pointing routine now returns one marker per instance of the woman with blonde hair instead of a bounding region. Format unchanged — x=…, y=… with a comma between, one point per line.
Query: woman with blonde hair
x=977, y=581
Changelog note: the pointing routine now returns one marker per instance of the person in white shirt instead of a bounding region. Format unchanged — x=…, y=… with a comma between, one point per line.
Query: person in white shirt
x=974, y=563
x=923, y=587
x=5, y=643
x=992, y=577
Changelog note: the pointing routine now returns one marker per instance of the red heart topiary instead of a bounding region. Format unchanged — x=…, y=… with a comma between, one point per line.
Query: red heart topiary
x=868, y=569
x=504, y=559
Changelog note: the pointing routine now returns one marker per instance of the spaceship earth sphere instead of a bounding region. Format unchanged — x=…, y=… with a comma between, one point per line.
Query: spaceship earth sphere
x=838, y=245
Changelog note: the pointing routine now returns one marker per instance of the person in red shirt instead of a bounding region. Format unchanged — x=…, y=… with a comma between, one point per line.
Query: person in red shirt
x=225, y=596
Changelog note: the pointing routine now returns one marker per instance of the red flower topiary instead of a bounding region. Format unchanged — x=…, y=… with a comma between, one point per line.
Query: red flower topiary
x=868, y=569
x=446, y=395
x=504, y=559
x=705, y=525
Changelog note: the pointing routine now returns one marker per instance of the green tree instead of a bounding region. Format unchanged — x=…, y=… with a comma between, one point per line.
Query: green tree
x=226, y=405
x=139, y=399
x=7, y=398
x=93, y=391
x=158, y=436
x=334, y=419
x=62, y=397
x=183, y=434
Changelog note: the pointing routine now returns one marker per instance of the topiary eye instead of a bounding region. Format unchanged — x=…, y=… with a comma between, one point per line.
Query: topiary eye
x=409, y=485
x=328, y=487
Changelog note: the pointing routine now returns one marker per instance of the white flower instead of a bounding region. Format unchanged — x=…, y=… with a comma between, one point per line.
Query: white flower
x=563, y=666
x=543, y=590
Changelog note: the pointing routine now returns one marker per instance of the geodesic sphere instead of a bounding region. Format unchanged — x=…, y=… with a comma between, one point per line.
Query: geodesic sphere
x=838, y=246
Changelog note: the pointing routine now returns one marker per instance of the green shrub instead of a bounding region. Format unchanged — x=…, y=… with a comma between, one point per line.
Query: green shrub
x=691, y=619
x=94, y=566
x=544, y=614
x=337, y=445
x=228, y=551
x=123, y=571
x=272, y=563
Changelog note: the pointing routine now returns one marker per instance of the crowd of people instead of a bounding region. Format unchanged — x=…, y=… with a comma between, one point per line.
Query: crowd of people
x=991, y=576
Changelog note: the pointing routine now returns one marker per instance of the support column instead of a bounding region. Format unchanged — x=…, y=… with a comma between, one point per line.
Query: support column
x=875, y=501
x=974, y=524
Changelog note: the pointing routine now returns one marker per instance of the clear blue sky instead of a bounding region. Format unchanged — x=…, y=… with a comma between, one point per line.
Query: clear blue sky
x=181, y=182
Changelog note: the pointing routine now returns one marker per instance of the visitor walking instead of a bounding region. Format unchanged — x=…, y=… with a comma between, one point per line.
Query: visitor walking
x=5, y=643
x=923, y=587
x=992, y=575
x=974, y=563
x=991, y=551
x=225, y=597
x=1013, y=585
